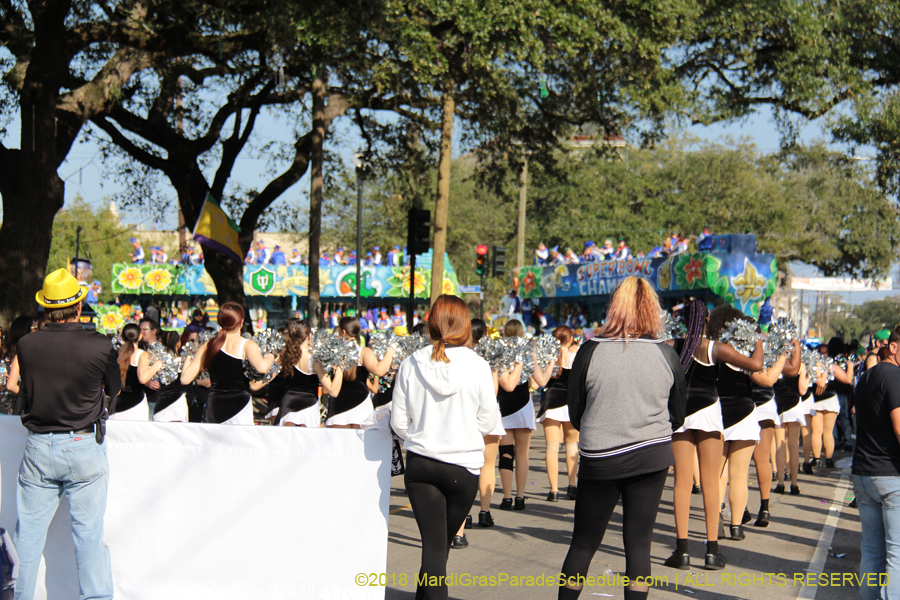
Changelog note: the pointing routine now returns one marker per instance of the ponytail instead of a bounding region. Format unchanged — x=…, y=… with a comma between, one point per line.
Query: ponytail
x=231, y=314
x=130, y=335
x=695, y=319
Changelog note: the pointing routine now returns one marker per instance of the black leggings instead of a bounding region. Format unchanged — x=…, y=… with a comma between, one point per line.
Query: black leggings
x=594, y=507
x=441, y=496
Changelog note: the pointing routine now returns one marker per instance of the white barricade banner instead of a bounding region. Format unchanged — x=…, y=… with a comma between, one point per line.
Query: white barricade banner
x=220, y=512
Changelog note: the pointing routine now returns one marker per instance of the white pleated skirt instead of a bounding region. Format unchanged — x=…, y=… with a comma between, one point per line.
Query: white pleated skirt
x=138, y=412
x=795, y=415
x=244, y=416
x=768, y=412
x=707, y=419
x=747, y=429
x=810, y=405
x=828, y=405
x=354, y=416
x=521, y=419
x=308, y=417
x=175, y=412
x=560, y=414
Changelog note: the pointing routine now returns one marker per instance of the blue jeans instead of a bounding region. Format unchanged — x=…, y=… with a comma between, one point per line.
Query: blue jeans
x=843, y=421
x=74, y=464
x=879, y=520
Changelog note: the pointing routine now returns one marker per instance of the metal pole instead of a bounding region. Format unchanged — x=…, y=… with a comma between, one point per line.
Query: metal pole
x=411, y=308
x=523, y=197
x=481, y=300
x=360, y=176
x=77, y=246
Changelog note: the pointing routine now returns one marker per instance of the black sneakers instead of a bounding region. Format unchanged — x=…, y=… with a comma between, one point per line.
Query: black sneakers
x=714, y=562
x=520, y=503
x=737, y=533
x=679, y=560
x=762, y=519
x=485, y=519
x=553, y=497
x=459, y=542
x=571, y=492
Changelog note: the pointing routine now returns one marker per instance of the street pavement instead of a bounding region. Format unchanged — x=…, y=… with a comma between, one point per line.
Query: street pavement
x=810, y=534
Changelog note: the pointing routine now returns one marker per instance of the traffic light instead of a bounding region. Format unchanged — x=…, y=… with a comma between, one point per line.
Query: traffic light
x=481, y=260
x=418, y=238
x=498, y=264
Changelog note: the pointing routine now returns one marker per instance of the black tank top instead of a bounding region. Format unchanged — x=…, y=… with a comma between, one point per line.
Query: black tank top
x=701, y=382
x=829, y=392
x=787, y=396
x=353, y=393
x=229, y=388
x=301, y=391
x=512, y=402
x=167, y=395
x=762, y=394
x=735, y=394
x=132, y=392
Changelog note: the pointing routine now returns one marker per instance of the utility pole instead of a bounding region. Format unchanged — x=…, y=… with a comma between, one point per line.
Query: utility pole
x=442, y=202
x=523, y=196
x=316, y=162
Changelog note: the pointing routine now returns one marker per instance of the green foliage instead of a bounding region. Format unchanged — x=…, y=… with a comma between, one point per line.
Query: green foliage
x=103, y=240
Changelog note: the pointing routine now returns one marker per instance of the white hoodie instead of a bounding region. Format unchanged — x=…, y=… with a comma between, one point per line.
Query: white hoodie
x=442, y=410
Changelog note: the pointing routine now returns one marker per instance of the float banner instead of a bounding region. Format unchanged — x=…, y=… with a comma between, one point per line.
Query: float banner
x=226, y=512
x=742, y=280
x=280, y=280
x=216, y=230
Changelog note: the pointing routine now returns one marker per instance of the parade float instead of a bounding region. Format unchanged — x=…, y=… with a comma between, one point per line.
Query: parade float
x=274, y=291
x=731, y=272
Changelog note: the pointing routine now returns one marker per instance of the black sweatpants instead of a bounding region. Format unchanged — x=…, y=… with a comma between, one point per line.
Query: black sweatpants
x=594, y=507
x=441, y=496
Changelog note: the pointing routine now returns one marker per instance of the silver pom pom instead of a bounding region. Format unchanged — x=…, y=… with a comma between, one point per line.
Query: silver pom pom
x=546, y=349
x=740, y=335
x=779, y=341
x=254, y=375
x=380, y=343
x=171, y=368
x=517, y=350
x=490, y=350
x=333, y=351
x=404, y=346
x=269, y=342
x=673, y=329
x=117, y=342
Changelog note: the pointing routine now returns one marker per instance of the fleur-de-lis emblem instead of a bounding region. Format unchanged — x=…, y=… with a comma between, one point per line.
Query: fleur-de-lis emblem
x=749, y=285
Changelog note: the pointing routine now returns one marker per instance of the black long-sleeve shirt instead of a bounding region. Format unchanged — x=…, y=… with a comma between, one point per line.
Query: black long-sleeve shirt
x=67, y=375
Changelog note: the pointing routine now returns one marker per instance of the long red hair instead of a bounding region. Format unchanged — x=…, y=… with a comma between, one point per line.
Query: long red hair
x=448, y=323
x=231, y=315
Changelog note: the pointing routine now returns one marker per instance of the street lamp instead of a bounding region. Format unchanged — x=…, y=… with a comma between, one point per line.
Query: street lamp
x=359, y=161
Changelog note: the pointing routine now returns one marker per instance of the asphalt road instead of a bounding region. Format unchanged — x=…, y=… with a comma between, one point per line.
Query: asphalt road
x=810, y=534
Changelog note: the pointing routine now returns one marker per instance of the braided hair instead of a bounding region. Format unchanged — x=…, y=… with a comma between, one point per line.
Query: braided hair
x=695, y=318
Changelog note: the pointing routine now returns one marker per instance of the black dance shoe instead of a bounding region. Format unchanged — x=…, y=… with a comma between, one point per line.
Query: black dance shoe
x=853, y=504
x=520, y=503
x=696, y=490
x=506, y=504
x=747, y=517
x=714, y=562
x=485, y=519
x=737, y=533
x=570, y=492
x=807, y=468
x=795, y=491
x=468, y=524
x=762, y=520
x=814, y=462
x=679, y=560
x=459, y=542
x=829, y=463
x=779, y=489
x=553, y=497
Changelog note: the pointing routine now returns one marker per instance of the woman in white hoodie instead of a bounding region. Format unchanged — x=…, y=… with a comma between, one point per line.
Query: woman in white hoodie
x=443, y=404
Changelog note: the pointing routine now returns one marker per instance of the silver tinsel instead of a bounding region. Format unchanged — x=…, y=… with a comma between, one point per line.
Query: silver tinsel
x=740, y=335
x=673, y=329
x=546, y=349
x=779, y=342
x=517, y=350
x=254, y=375
x=333, y=351
x=380, y=343
x=204, y=336
x=116, y=342
x=171, y=368
x=269, y=341
x=817, y=364
x=490, y=350
x=406, y=345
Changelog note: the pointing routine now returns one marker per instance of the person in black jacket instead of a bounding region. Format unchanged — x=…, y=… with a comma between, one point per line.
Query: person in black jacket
x=67, y=375
x=626, y=397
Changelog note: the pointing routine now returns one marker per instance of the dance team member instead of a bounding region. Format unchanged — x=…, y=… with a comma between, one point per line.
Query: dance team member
x=223, y=357
x=443, y=404
x=518, y=421
x=131, y=403
x=171, y=401
x=554, y=416
x=626, y=396
x=701, y=432
x=789, y=390
x=828, y=407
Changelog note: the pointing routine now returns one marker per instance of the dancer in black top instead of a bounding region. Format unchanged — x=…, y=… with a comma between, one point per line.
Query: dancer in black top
x=788, y=391
x=517, y=414
x=554, y=416
x=223, y=357
x=701, y=432
x=171, y=400
x=827, y=407
x=131, y=403
x=296, y=388
x=352, y=402
x=487, y=479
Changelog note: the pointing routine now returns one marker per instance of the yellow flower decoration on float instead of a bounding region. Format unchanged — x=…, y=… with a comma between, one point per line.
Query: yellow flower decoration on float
x=158, y=279
x=130, y=278
x=748, y=285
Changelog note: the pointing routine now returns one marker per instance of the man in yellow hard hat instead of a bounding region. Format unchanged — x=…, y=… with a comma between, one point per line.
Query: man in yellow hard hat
x=67, y=375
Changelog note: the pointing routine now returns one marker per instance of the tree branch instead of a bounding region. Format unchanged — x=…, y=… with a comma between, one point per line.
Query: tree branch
x=135, y=151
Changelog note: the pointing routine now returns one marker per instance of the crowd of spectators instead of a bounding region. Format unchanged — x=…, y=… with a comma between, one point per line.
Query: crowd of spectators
x=673, y=244
x=190, y=255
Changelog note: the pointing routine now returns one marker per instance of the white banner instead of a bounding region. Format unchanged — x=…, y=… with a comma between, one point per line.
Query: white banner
x=839, y=284
x=220, y=512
